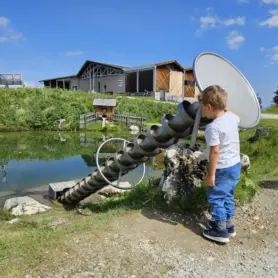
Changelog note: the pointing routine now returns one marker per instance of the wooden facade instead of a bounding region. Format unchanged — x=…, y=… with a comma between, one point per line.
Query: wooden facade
x=162, y=79
x=105, y=111
x=189, y=84
x=169, y=78
x=105, y=107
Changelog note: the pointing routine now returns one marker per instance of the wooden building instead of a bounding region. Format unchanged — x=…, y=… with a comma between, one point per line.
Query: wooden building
x=105, y=107
x=191, y=90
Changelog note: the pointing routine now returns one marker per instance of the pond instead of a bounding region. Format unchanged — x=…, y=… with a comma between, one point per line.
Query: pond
x=30, y=161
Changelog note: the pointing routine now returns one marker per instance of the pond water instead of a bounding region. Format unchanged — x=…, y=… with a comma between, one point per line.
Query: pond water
x=30, y=161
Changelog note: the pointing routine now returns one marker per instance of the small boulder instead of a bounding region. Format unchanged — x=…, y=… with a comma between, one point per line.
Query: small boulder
x=260, y=132
x=24, y=206
x=134, y=128
x=13, y=221
x=109, y=191
x=245, y=162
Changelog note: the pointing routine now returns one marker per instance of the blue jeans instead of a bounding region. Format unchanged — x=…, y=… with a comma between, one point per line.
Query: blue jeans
x=221, y=196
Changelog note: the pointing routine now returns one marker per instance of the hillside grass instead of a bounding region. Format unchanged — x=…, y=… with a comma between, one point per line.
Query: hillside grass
x=271, y=110
x=25, y=109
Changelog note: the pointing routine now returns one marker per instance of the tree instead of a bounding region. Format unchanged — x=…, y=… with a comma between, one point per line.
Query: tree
x=260, y=101
x=275, y=98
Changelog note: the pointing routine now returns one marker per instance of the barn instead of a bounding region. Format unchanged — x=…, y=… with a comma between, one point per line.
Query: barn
x=167, y=81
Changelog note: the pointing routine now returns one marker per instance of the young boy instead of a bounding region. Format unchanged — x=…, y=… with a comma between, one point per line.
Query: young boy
x=222, y=138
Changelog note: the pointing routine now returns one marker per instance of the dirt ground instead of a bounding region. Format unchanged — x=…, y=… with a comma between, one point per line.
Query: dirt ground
x=150, y=244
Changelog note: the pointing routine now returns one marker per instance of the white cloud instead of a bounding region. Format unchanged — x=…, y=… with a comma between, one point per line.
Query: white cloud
x=3, y=21
x=240, y=20
x=3, y=39
x=235, y=40
x=272, y=21
x=211, y=21
x=74, y=53
x=208, y=22
x=271, y=53
x=7, y=33
x=275, y=2
x=274, y=58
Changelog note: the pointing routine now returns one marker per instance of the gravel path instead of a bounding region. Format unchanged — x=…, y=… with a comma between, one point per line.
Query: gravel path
x=269, y=116
x=150, y=244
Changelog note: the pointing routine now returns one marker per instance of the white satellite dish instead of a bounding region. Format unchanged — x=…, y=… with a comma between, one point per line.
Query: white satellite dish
x=212, y=69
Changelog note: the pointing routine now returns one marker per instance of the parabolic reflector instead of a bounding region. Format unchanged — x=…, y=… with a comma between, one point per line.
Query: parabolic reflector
x=212, y=69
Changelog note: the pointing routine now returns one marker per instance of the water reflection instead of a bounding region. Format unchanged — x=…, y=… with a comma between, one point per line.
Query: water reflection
x=29, y=160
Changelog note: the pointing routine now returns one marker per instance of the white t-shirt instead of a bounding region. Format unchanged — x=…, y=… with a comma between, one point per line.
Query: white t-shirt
x=223, y=131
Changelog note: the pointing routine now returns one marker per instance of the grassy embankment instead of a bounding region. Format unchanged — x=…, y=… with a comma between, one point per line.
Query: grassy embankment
x=40, y=109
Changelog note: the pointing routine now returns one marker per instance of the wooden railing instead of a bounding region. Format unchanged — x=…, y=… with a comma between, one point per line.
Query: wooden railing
x=87, y=118
x=129, y=120
x=125, y=119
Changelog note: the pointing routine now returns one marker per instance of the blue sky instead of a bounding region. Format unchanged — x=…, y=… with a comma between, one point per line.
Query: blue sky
x=43, y=39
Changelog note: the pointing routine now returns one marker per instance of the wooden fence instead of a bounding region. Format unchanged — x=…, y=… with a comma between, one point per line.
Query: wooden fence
x=129, y=120
x=125, y=119
x=87, y=118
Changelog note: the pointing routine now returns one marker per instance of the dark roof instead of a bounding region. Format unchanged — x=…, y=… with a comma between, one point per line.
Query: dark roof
x=56, y=78
x=170, y=62
x=105, y=102
x=88, y=62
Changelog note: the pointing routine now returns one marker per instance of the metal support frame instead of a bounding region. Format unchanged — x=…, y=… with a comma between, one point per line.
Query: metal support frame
x=95, y=70
x=117, y=185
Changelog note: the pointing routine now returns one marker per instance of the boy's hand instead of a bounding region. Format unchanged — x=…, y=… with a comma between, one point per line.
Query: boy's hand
x=210, y=180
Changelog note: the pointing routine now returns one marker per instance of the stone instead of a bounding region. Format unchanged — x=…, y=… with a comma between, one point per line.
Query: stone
x=13, y=221
x=260, y=132
x=134, y=128
x=245, y=162
x=185, y=169
x=24, y=206
x=109, y=191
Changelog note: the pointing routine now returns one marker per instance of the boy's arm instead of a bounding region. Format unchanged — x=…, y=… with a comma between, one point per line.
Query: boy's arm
x=213, y=158
x=213, y=141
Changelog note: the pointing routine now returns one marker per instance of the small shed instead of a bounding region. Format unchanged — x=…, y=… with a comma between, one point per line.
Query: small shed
x=105, y=107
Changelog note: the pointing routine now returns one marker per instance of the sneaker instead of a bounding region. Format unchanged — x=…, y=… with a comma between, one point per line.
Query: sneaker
x=217, y=235
x=231, y=230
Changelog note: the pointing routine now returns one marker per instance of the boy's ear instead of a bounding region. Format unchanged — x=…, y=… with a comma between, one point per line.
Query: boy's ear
x=209, y=107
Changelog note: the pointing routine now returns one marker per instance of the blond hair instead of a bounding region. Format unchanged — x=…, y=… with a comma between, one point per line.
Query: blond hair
x=215, y=96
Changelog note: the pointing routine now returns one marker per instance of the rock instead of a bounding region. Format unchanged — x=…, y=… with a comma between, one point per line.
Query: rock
x=260, y=132
x=185, y=169
x=245, y=162
x=24, y=206
x=13, y=221
x=109, y=191
x=134, y=128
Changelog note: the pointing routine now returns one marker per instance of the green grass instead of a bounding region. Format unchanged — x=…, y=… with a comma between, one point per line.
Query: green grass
x=271, y=110
x=35, y=242
x=263, y=153
x=40, y=109
x=109, y=127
